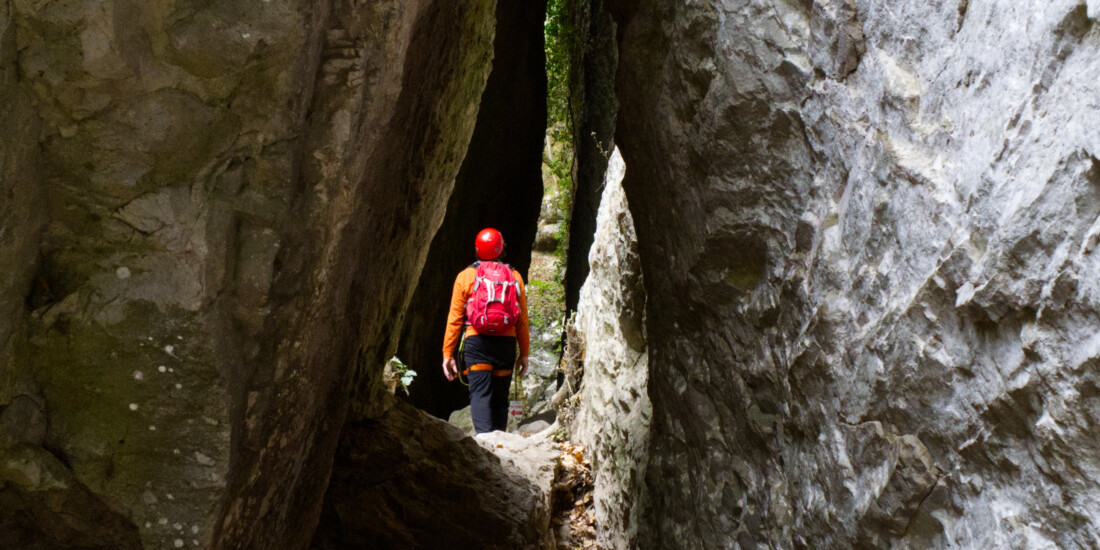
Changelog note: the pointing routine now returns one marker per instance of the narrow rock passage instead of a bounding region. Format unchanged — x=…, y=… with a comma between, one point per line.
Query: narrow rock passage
x=869, y=314
x=499, y=185
x=403, y=479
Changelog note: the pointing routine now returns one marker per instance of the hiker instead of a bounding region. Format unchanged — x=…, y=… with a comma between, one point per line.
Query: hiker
x=489, y=300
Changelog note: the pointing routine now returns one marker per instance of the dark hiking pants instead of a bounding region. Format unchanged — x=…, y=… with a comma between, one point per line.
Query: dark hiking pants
x=490, y=360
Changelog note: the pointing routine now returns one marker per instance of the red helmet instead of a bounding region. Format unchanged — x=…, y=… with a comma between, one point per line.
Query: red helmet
x=489, y=244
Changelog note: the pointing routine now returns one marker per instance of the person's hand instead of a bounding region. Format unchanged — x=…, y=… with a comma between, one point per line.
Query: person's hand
x=521, y=365
x=450, y=370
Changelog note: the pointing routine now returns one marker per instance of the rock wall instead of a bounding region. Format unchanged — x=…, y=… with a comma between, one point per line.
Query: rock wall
x=233, y=203
x=867, y=230
x=499, y=185
x=593, y=107
x=607, y=370
x=21, y=205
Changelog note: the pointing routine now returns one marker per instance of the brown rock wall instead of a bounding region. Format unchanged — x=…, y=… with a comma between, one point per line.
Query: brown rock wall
x=22, y=212
x=235, y=199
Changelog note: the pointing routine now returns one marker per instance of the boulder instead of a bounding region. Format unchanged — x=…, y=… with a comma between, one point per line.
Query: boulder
x=407, y=480
x=462, y=420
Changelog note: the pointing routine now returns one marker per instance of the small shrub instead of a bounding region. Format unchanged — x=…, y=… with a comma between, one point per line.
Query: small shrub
x=402, y=373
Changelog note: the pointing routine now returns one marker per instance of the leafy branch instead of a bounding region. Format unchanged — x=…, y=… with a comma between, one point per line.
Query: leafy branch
x=402, y=373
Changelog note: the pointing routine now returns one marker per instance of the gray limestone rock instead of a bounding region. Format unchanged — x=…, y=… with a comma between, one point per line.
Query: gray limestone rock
x=836, y=36
x=535, y=457
x=461, y=419
x=868, y=235
x=611, y=409
x=547, y=238
x=534, y=426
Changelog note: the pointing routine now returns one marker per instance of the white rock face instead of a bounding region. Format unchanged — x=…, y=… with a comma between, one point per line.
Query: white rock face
x=533, y=457
x=868, y=231
x=612, y=418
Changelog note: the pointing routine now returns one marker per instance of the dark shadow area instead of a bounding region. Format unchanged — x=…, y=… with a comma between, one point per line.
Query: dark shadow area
x=61, y=517
x=499, y=185
x=401, y=156
x=406, y=480
x=594, y=108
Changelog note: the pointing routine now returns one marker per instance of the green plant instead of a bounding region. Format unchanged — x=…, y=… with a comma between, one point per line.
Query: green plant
x=561, y=36
x=402, y=373
x=561, y=165
x=546, y=303
x=559, y=434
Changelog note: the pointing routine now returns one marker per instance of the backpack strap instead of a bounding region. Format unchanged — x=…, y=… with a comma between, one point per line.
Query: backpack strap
x=515, y=280
x=465, y=321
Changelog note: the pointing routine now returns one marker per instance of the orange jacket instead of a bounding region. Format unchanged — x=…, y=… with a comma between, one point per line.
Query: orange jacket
x=457, y=316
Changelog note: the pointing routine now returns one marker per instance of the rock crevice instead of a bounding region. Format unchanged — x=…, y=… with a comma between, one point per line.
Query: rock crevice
x=499, y=185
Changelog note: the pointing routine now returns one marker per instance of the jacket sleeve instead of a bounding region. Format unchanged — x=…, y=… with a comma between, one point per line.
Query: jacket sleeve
x=456, y=315
x=523, y=329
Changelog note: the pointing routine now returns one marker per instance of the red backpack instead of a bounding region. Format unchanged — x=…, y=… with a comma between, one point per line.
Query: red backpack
x=493, y=307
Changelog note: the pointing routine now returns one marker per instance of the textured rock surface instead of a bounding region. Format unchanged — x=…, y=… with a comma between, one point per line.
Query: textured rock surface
x=611, y=409
x=452, y=492
x=540, y=383
x=533, y=457
x=229, y=204
x=498, y=186
x=546, y=307
x=22, y=209
x=868, y=234
x=462, y=420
